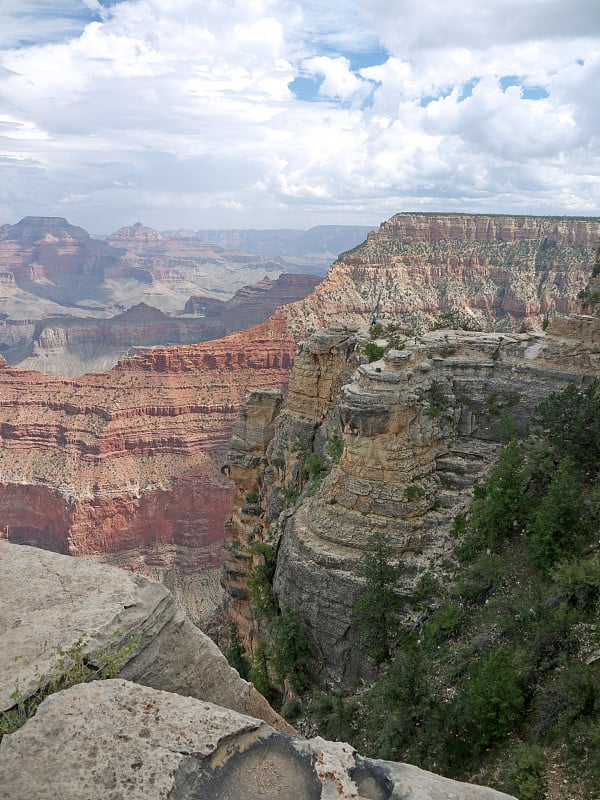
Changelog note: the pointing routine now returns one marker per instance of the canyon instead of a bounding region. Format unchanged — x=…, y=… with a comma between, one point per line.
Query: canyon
x=416, y=430
x=125, y=466
x=71, y=304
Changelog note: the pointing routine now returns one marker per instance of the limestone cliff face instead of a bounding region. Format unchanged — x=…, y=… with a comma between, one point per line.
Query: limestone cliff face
x=264, y=454
x=419, y=428
x=492, y=271
x=124, y=466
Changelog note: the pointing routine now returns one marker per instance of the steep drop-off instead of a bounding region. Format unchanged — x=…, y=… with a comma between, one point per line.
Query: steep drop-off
x=419, y=427
x=124, y=466
x=487, y=272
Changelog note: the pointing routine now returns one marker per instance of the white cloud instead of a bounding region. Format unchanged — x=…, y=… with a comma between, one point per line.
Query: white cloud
x=182, y=110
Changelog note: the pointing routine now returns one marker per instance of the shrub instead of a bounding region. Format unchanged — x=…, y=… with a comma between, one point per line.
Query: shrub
x=480, y=581
x=560, y=524
x=373, y=351
x=259, y=671
x=571, y=421
x=335, y=448
x=234, y=651
x=503, y=509
x=335, y=716
x=524, y=774
x=494, y=698
x=260, y=581
x=579, y=582
x=413, y=492
x=72, y=666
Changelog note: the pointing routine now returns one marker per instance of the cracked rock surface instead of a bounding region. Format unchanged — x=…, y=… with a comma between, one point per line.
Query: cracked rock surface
x=50, y=601
x=111, y=740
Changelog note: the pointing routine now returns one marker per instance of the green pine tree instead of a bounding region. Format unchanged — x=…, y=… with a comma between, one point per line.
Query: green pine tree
x=377, y=609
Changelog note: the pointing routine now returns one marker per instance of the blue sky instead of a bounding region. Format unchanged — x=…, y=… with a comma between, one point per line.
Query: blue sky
x=275, y=113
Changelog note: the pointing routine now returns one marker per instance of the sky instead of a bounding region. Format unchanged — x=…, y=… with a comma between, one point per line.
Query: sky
x=293, y=113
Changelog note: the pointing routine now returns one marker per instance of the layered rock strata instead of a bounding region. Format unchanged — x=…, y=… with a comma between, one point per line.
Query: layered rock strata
x=115, y=739
x=124, y=466
x=489, y=272
x=264, y=461
x=71, y=346
x=419, y=427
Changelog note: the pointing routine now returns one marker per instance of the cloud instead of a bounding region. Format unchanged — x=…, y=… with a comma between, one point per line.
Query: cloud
x=194, y=114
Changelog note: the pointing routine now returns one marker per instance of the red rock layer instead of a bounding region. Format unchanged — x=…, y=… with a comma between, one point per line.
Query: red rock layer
x=125, y=465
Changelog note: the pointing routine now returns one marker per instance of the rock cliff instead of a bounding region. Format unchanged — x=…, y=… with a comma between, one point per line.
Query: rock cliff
x=115, y=739
x=177, y=722
x=50, y=603
x=71, y=346
x=124, y=466
x=490, y=272
x=419, y=427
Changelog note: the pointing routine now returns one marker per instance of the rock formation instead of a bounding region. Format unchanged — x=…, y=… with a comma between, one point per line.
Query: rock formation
x=486, y=272
x=124, y=466
x=70, y=346
x=115, y=739
x=419, y=427
x=51, y=602
x=178, y=722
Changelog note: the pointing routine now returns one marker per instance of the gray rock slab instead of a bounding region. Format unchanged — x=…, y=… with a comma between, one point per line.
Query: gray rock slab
x=49, y=601
x=116, y=740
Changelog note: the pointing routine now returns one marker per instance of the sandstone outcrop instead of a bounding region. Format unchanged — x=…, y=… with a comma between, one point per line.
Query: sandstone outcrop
x=124, y=466
x=114, y=739
x=50, y=602
x=419, y=428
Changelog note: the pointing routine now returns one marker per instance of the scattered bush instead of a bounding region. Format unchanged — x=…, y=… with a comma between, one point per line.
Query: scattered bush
x=373, y=351
x=291, y=650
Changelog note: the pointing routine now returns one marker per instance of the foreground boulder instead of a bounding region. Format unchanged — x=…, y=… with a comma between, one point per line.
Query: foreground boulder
x=114, y=739
x=50, y=602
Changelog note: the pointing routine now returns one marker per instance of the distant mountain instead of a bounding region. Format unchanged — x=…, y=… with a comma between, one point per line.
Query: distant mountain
x=325, y=240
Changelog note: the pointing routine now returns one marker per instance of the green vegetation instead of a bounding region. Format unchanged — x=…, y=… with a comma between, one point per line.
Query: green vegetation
x=72, y=666
x=335, y=448
x=378, y=606
x=498, y=680
x=373, y=351
x=260, y=582
x=234, y=651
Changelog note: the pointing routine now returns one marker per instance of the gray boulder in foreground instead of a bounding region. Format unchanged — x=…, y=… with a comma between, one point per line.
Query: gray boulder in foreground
x=49, y=601
x=116, y=740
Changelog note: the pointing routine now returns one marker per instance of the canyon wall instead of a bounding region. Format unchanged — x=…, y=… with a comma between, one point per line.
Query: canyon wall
x=486, y=272
x=125, y=466
x=70, y=346
x=416, y=430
